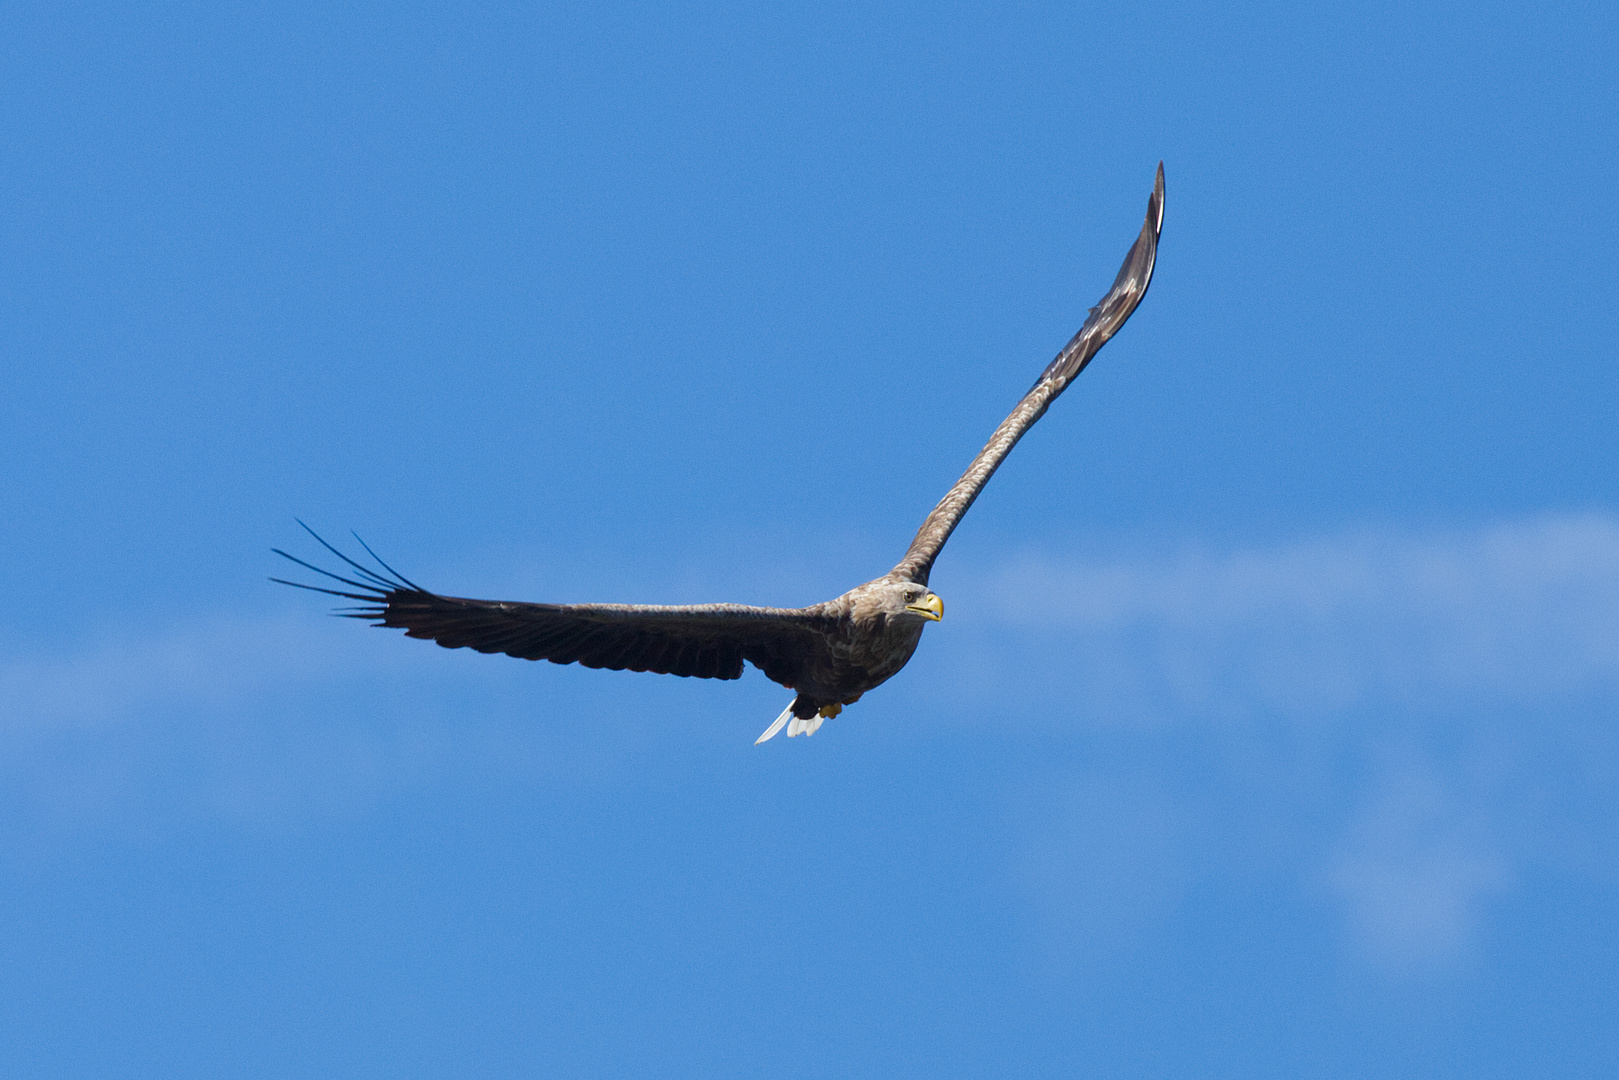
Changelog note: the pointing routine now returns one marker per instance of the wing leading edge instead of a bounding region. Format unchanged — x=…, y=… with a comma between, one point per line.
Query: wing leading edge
x=1102, y=323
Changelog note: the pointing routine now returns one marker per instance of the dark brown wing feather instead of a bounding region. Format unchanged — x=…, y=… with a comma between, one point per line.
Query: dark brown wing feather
x=1104, y=321
x=708, y=641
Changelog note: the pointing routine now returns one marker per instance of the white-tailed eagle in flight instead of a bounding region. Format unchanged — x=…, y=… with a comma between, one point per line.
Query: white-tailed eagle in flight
x=830, y=653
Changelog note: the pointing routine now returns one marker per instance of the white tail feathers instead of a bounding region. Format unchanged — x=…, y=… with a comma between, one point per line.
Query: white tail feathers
x=794, y=727
x=805, y=727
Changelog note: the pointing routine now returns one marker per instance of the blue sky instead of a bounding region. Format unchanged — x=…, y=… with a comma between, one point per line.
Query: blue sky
x=1271, y=728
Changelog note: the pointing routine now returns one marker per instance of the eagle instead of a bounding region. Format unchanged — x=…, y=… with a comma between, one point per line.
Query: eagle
x=830, y=653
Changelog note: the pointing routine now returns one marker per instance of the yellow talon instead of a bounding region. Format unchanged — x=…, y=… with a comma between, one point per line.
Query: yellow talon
x=829, y=711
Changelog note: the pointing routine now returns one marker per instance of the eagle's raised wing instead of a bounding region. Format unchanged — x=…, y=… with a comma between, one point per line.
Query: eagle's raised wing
x=708, y=641
x=1104, y=321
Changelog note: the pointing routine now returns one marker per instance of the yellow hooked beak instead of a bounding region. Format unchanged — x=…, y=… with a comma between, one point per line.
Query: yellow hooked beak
x=929, y=607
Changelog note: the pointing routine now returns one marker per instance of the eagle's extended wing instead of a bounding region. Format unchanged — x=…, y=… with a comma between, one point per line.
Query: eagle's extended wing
x=709, y=641
x=1104, y=321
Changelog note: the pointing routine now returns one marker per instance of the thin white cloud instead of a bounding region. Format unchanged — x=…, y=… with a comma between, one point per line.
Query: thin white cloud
x=106, y=682
x=1520, y=612
x=274, y=724
x=1415, y=868
x=1408, y=724
x=146, y=728
x=1441, y=710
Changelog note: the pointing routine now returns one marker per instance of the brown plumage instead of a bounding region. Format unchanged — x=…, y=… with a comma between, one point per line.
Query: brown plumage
x=831, y=653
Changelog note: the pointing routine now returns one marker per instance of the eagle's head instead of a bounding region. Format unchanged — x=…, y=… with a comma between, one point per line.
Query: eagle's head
x=909, y=598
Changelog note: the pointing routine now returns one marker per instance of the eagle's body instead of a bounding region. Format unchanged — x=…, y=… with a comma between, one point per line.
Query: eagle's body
x=830, y=653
